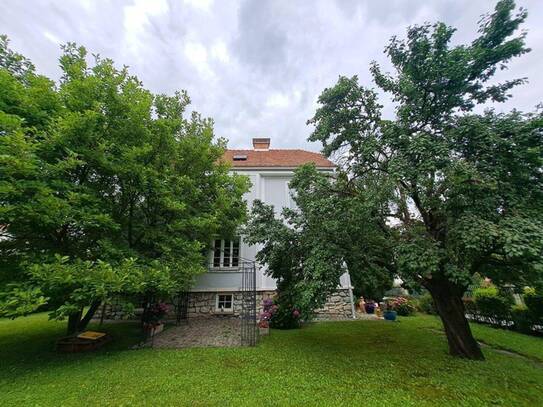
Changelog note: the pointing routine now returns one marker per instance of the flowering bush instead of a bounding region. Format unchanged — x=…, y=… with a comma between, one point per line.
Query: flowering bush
x=281, y=313
x=268, y=309
x=401, y=305
x=154, y=313
x=283, y=316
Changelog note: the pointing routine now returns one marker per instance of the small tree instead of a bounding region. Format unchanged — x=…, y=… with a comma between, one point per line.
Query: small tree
x=306, y=267
x=105, y=188
x=307, y=248
x=463, y=192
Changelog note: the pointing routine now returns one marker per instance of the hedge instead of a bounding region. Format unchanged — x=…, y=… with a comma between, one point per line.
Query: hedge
x=491, y=306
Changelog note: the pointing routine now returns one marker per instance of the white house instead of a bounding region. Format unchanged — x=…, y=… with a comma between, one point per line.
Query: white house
x=218, y=292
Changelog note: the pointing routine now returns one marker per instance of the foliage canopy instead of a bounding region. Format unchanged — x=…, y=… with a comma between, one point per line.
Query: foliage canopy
x=463, y=191
x=105, y=188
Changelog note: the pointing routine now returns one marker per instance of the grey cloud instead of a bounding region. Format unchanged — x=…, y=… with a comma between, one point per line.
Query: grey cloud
x=260, y=41
x=256, y=67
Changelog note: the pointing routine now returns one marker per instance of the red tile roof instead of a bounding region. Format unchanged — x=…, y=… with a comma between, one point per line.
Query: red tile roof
x=276, y=158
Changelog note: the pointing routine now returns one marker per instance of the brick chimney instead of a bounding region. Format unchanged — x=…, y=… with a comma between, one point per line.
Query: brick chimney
x=261, y=144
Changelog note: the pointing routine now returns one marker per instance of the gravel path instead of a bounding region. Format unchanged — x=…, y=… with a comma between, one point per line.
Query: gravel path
x=204, y=332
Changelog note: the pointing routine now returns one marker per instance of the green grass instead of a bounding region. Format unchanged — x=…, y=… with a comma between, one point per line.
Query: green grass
x=363, y=363
x=499, y=338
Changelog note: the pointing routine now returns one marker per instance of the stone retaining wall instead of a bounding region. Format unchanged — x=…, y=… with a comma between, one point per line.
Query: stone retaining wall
x=338, y=306
x=116, y=311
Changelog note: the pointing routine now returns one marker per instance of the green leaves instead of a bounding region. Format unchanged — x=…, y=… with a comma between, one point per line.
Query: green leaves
x=463, y=192
x=434, y=80
x=15, y=63
x=308, y=248
x=20, y=300
x=109, y=177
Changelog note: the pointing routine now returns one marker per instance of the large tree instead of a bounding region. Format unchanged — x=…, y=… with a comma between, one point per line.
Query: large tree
x=463, y=191
x=105, y=188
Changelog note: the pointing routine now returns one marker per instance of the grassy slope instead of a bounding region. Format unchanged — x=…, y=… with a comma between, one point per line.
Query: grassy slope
x=339, y=363
x=499, y=338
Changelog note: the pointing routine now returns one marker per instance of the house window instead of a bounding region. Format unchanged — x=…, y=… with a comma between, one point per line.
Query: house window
x=225, y=253
x=225, y=303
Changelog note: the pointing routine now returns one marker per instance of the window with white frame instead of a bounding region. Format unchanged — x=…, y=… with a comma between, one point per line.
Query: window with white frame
x=225, y=253
x=225, y=302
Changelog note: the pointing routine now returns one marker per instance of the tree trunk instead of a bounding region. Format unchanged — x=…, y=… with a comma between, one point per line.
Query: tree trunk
x=88, y=316
x=104, y=306
x=73, y=322
x=449, y=304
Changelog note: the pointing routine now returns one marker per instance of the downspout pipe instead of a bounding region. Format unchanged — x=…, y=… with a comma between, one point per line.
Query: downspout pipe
x=350, y=288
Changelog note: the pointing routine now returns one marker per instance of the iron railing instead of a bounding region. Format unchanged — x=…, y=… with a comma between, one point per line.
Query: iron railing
x=248, y=314
x=249, y=333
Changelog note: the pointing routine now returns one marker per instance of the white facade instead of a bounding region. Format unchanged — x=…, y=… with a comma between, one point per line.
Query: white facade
x=271, y=187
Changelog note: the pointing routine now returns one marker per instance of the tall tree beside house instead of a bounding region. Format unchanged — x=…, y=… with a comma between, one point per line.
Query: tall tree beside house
x=307, y=248
x=105, y=188
x=463, y=191
x=306, y=264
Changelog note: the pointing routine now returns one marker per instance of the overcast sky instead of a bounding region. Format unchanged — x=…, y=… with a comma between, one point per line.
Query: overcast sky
x=256, y=67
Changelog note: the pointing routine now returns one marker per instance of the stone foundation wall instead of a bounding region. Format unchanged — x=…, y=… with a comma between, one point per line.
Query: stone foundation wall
x=116, y=311
x=203, y=305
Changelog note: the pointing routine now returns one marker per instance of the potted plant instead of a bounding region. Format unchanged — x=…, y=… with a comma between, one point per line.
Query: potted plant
x=390, y=315
x=263, y=327
x=370, y=307
x=152, y=318
x=398, y=306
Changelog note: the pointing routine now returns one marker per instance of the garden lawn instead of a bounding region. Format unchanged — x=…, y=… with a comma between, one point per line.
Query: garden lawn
x=363, y=363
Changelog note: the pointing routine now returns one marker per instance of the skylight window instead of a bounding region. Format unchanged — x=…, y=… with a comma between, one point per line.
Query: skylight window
x=240, y=157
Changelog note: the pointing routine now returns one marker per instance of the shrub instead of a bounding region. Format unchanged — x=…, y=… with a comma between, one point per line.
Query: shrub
x=534, y=302
x=268, y=310
x=469, y=306
x=485, y=291
x=402, y=306
x=286, y=315
x=426, y=304
x=522, y=319
x=286, y=318
x=490, y=303
x=154, y=313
